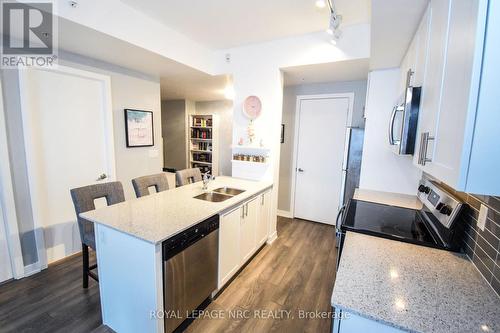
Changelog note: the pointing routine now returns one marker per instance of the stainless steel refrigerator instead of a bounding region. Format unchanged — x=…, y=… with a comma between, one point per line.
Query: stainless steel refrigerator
x=351, y=168
x=352, y=161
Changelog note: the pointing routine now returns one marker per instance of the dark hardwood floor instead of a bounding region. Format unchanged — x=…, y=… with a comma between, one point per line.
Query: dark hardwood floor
x=295, y=274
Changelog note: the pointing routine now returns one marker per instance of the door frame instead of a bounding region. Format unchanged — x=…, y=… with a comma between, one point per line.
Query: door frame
x=300, y=98
x=30, y=154
x=7, y=201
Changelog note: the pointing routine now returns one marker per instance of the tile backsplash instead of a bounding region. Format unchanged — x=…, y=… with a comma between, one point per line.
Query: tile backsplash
x=482, y=247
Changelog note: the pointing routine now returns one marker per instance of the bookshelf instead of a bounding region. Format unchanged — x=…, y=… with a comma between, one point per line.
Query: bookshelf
x=203, y=143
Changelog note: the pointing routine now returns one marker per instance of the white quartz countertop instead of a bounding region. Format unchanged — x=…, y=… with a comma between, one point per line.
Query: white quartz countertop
x=159, y=216
x=388, y=198
x=414, y=288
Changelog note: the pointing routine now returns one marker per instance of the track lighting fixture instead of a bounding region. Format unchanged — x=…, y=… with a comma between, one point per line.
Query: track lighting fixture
x=334, y=23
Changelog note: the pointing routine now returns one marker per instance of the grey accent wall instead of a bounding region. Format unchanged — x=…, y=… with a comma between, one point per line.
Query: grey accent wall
x=129, y=89
x=289, y=104
x=174, y=117
x=224, y=109
x=481, y=246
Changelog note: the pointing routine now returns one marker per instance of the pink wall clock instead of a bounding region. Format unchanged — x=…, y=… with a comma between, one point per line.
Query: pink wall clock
x=252, y=107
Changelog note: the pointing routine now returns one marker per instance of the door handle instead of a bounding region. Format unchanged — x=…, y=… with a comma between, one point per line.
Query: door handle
x=102, y=177
x=300, y=170
x=424, y=145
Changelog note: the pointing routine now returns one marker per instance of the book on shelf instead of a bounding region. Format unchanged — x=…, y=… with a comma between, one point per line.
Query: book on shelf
x=202, y=121
x=199, y=133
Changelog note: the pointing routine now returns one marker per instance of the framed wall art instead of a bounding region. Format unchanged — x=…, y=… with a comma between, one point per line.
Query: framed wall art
x=139, y=128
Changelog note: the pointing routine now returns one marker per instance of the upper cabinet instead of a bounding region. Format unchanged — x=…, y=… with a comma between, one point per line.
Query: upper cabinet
x=448, y=52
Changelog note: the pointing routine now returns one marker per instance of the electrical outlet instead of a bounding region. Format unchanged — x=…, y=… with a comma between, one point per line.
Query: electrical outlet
x=483, y=214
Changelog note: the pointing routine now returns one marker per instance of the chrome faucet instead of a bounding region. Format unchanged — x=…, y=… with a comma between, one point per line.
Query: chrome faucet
x=206, y=179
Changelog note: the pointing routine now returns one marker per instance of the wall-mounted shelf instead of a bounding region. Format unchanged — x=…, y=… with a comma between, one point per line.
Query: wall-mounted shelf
x=253, y=148
x=252, y=163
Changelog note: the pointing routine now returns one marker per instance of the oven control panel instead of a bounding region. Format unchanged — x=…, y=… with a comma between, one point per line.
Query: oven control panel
x=442, y=204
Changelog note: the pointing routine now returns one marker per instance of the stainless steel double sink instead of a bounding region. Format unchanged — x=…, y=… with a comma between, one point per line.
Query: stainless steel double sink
x=219, y=194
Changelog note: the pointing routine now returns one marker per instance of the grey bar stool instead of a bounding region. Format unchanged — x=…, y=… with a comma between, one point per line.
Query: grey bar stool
x=83, y=200
x=187, y=176
x=142, y=184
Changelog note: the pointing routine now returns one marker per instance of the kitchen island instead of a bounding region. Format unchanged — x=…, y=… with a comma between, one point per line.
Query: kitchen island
x=129, y=238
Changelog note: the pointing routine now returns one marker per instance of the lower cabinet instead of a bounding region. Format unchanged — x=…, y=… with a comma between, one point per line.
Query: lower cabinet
x=248, y=227
x=241, y=232
x=264, y=201
x=229, y=245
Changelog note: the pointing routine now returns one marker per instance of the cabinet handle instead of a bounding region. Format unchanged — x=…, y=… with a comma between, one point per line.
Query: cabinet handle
x=424, y=145
x=262, y=200
x=243, y=212
x=247, y=211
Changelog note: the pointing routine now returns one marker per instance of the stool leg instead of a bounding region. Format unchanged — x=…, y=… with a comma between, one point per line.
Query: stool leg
x=85, y=253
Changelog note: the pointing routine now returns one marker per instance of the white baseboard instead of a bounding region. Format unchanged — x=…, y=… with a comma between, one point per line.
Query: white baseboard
x=272, y=238
x=284, y=213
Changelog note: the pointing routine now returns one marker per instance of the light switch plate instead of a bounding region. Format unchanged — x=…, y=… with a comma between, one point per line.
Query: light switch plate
x=483, y=214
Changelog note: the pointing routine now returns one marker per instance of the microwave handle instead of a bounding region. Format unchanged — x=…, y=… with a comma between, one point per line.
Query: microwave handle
x=391, y=126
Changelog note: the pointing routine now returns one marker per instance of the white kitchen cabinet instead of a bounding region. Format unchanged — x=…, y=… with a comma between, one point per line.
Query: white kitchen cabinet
x=248, y=228
x=416, y=55
x=447, y=121
x=263, y=219
x=229, y=245
x=422, y=47
x=434, y=69
x=238, y=230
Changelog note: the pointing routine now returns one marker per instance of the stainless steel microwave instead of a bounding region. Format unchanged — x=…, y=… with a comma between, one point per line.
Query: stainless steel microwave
x=404, y=120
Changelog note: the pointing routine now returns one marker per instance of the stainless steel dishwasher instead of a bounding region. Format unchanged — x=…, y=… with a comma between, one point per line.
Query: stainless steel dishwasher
x=189, y=271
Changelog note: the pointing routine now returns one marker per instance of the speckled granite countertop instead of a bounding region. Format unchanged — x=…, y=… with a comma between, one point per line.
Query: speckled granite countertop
x=159, y=216
x=413, y=288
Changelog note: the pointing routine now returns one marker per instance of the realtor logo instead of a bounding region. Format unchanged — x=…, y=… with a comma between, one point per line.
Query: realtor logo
x=28, y=34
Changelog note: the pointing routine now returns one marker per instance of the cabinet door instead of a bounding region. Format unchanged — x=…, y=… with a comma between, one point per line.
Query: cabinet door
x=229, y=245
x=455, y=93
x=422, y=47
x=408, y=63
x=263, y=220
x=248, y=228
x=434, y=70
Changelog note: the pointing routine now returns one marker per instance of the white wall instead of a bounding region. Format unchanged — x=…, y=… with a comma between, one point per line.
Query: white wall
x=289, y=109
x=381, y=169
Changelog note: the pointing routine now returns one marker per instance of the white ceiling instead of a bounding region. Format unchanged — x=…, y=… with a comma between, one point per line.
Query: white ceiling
x=393, y=24
x=178, y=81
x=350, y=70
x=223, y=24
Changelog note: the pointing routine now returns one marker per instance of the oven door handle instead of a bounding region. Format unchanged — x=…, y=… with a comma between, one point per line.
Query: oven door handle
x=339, y=216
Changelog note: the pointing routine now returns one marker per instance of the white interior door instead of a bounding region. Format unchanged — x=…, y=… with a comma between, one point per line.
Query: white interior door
x=5, y=264
x=320, y=153
x=68, y=130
